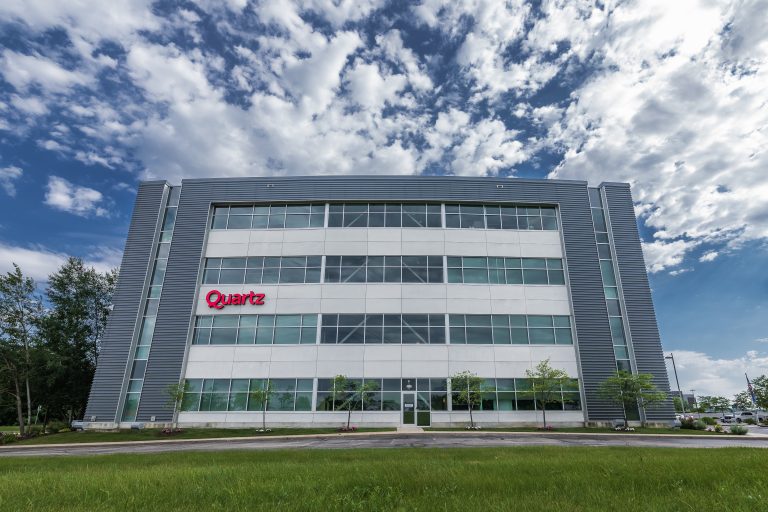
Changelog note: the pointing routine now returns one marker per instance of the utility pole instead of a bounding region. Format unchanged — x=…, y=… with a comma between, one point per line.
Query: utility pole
x=679, y=391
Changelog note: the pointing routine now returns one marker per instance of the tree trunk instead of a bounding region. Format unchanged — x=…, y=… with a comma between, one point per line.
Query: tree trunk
x=626, y=422
x=349, y=415
x=19, y=407
x=544, y=414
x=471, y=419
x=29, y=398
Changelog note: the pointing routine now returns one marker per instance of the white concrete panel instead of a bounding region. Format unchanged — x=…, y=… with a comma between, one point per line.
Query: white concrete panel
x=344, y=291
x=425, y=352
x=202, y=417
x=468, y=306
x=201, y=370
x=211, y=353
x=226, y=250
x=303, y=235
x=228, y=236
x=510, y=369
x=303, y=248
x=508, y=307
x=297, y=306
x=383, y=249
x=384, y=235
x=555, y=292
x=539, y=237
x=346, y=235
x=385, y=352
x=424, y=291
x=466, y=249
x=382, y=369
x=432, y=369
x=357, y=248
x=340, y=352
x=512, y=353
x=423, y=248
x=265, y=249
x=390, y=306
x=423, y=235
x=503, y=250
x=502, y=236
x=481, y=368
x=541, y=251
x=547, y=307
x=294, y=353
x=556, y=354
x=465, y=235
x=294, y=369
x=329, y=369
x=423, y=306
x=259, y=353
x=383, y=291
x=299, y=291
x=250, y=370
x=342, y=306
x=470, y=352
x=273, y=236
x=468, y=291
x=506, y=292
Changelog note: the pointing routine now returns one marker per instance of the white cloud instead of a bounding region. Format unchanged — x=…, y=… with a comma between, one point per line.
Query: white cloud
x=8, y=177
x=39, y=262
x=661, y=255
x=65, y=196
x=23, y=70
x=709, y=256
x=716, y=376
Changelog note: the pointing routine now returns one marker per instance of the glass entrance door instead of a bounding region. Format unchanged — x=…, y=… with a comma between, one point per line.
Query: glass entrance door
x=409, y=409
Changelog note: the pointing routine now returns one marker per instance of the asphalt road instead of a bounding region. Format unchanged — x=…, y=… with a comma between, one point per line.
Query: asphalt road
x=389, y=440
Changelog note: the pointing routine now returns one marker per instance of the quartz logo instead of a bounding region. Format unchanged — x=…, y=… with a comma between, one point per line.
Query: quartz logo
x=218, y=300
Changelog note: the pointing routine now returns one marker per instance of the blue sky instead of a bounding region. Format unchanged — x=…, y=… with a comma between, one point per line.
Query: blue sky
x=669, y=96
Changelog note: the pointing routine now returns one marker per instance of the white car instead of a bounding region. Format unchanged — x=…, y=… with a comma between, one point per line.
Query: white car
x=745, y=415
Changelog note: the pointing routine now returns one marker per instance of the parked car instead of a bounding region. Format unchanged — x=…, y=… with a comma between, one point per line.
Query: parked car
x=727, y=417
x=77, y=425
x=753, y=415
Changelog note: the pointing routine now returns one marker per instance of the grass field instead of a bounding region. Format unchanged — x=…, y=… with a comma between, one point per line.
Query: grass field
x=497, y=479
x=589, y=430
x=191, y=433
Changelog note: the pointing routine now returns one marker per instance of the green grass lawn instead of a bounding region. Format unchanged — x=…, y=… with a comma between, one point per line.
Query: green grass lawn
x=482, y=479
x=190, y=433
x=585, y=430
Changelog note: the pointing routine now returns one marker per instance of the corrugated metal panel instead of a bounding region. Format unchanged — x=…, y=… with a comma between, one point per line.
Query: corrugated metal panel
x=644, y=332
x=128, y=298
x=176, y=304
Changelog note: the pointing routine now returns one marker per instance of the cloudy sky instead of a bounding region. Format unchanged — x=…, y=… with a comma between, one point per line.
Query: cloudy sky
x=669, y=96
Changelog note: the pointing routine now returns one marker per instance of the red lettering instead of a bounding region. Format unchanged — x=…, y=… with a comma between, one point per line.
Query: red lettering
x=260, y=299
x=214, y=299
x=236, y=299
x=218, y=300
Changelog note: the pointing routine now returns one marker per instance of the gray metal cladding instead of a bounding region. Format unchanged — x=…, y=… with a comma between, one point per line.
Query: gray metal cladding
x=644, y=332
x=181, y=278
x=129, y=294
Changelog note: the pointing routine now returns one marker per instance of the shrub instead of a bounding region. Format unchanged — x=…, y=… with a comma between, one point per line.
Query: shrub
x=709, y=420
x=749, y=421
x=56, y=426
x=739, y=430
x=699, y=425
x=7, y=437
x=718, y=428
x=34, y=431
x=686, y=423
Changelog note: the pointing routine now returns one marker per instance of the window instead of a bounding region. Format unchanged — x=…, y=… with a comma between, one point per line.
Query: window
x=255, y=329
x=262, y=270
x=375, y=329
x=500, y=217
x=510, y=329
x=517, y=395
x=276, y=216
x=384, y=215
x=216, y=395
x=431, y=394
x=481, y=270
x=383, y=269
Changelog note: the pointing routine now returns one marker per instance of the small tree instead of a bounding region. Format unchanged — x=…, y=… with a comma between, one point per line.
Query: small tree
x=350, y=393
x=175, y=394
x=631, y=390
x=467, y=388
x=678, y=404
x=261, y=396
x=720, y=404
x=742, y=401
x=546, y=384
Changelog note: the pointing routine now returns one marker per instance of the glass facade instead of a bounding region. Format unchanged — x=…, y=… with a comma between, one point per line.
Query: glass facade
x=384, y=269
x=276, y=216
x=482, y=270
x=255, y=329
x=384, y=215
x=510, y=329
x=263, y=270
x=406, y=329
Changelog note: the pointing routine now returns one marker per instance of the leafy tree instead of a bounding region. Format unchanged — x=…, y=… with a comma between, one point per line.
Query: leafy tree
x=713, y=403
x=760, y=387
x=175, y=394
x=20, y=314
x=351, y=394
x=467, y=389
x=742, y=401
x=546, y=383
x=71, y=332
x=678, y=404
x=260, y=396
x=630, y=390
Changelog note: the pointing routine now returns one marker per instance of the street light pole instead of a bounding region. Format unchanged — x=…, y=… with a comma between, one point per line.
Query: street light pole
x=679, y=391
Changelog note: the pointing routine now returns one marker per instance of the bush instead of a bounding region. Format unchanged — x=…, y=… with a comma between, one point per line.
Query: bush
x=739, y=430
x=718, y=428
x=749, y=421
x=56, y=426
x=709, y=420
x=34, y=431
x=686, y=423
x=699, y=425
x=7, y=437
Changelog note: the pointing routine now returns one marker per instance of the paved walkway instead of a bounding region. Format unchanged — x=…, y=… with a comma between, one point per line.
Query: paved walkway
x=391, y=440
